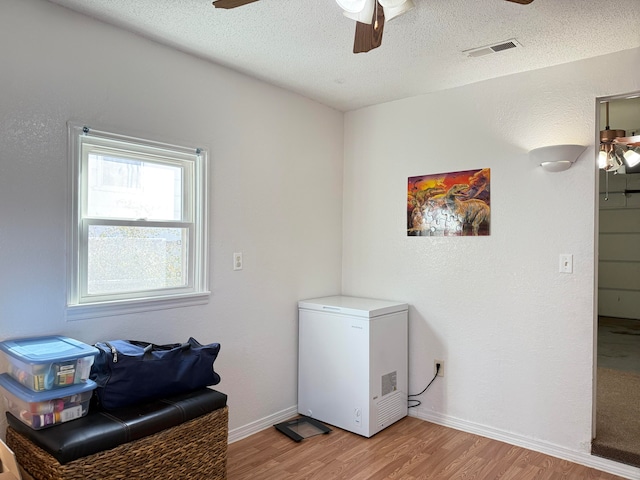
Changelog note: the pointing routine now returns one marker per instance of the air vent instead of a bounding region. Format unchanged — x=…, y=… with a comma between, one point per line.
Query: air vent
x=498, y=47
x=390, y=409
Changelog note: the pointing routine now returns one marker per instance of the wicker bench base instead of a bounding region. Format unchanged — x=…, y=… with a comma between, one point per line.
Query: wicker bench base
x=195, y=450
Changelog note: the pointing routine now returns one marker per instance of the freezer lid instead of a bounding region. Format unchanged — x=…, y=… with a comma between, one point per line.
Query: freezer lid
x=356, y=306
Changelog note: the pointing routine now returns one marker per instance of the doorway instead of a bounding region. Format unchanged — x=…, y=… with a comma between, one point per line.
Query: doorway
x=617, y=396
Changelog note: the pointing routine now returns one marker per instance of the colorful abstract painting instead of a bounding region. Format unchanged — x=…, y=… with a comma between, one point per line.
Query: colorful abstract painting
x=449, y=204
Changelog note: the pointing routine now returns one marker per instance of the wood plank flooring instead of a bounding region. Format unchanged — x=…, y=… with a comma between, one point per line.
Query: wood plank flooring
x=411, y=449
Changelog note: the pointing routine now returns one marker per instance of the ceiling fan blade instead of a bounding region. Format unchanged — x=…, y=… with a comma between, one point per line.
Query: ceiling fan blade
x=368, y=36
x=231, y=3
x=633, y=141
x=521, y=2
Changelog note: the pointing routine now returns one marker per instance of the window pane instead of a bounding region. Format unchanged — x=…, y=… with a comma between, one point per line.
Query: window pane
x=133, y=189
x=129, y=259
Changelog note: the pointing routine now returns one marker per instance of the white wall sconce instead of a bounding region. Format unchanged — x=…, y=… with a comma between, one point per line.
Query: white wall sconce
x=556, y=158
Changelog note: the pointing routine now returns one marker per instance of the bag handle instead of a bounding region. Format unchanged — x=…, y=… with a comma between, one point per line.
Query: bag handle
x=148, y=348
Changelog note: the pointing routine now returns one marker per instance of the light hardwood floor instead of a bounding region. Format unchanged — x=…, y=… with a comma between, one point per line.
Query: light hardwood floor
x=411, y=449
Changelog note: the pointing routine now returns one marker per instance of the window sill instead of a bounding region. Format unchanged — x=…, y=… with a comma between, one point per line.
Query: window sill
x=126, y=307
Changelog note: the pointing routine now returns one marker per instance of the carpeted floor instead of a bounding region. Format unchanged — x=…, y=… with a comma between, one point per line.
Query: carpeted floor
x=618, y=416
x=619, y=344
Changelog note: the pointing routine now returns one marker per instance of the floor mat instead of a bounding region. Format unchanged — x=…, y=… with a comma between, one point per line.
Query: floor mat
x=618, y=416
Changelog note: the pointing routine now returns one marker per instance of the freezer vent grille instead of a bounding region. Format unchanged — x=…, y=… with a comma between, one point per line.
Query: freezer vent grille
x=390, y=409
x=389, y=383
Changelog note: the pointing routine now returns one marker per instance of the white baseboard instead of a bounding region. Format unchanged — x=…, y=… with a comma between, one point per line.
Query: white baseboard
x=553, y=450
x=262, y=424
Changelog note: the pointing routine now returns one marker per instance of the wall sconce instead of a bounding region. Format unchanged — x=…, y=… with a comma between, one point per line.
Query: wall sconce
x=556, y=158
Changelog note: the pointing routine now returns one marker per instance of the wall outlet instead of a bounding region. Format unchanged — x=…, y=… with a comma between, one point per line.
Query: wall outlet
x=435, y=368
x=237, y=261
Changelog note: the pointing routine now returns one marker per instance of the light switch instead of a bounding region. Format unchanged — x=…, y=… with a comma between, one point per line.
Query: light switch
x=566, y=263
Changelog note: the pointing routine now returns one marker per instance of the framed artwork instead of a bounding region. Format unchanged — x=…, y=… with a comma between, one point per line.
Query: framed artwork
x=451, y=204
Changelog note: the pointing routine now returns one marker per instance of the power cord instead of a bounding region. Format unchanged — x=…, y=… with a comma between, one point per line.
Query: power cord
x=418, y=402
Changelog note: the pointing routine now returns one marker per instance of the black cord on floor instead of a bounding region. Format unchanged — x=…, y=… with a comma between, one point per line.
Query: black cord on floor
x=418, y=402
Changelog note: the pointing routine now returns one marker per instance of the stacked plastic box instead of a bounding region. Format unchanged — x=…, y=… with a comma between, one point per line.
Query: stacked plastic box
x=48, y=379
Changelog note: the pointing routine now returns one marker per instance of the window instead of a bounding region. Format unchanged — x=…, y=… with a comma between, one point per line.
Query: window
x=138, y=229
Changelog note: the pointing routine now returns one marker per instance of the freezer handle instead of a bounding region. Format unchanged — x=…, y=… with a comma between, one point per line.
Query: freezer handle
x=331, y=309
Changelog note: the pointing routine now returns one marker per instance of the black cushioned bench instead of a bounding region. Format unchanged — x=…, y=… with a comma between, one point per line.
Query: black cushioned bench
x=179, y=437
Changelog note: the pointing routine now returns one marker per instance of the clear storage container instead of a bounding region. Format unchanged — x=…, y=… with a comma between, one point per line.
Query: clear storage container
x=45, y=363
x=44, y=409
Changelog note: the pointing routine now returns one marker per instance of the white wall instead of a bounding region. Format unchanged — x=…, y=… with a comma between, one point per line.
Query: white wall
x=515, y=334
x=276, y=191
x=624, y=114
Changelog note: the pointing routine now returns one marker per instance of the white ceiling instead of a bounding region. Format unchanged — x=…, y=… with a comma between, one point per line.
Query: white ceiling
x=306, y=45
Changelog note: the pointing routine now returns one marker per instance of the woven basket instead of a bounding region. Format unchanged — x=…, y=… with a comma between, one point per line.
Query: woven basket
x=194, y=450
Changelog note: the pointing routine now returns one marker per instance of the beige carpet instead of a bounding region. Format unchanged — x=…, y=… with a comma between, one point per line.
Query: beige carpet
x=618, y=417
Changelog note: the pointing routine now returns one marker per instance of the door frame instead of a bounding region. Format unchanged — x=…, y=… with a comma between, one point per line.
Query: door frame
x=598, y=102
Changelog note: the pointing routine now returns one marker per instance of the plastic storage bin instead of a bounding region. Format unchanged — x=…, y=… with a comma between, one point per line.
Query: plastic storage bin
x=44, y=363
x=44, y=409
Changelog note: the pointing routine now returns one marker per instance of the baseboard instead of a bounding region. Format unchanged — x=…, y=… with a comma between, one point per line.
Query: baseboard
x=553, y=450
x=262, y=424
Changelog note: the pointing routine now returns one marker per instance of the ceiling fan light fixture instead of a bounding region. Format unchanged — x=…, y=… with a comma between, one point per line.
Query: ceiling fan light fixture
x=392, y=3
x=353, y=6
x=607, y=135
x=602, y=157
x=393, y=12
x=613, y=162
x=365, y=15
x=632, y=157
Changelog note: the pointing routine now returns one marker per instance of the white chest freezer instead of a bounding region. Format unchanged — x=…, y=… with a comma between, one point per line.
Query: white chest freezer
x=353, y=362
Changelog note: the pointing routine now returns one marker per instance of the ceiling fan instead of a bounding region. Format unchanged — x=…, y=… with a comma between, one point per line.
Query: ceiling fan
x=369, y=15
x=617, y=149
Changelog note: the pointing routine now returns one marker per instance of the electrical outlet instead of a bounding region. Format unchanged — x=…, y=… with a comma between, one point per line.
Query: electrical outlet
x=435, y=367
x=237, y=261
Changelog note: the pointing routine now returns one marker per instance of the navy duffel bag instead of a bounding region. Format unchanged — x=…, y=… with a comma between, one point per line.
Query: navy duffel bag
x=130, y=371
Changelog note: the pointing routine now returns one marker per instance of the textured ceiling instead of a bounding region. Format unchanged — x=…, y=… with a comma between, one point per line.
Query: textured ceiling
x=305, y=45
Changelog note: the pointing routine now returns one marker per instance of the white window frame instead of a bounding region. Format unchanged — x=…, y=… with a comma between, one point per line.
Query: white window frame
x=83, y=139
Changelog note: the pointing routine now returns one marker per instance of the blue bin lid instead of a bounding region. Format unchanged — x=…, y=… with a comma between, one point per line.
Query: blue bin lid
x=55, y=348
x=29, y=396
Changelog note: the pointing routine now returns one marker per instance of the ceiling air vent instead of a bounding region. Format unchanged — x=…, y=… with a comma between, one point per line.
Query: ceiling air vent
x=498, y=47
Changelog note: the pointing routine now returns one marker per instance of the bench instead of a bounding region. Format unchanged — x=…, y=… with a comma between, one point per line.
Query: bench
x=175, y=438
